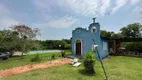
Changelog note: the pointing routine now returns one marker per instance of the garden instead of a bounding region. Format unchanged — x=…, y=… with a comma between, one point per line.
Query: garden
x=117, y=68
x=22, y=38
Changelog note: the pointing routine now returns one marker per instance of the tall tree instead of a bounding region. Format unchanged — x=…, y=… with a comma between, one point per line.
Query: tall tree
x=110, y=35
x=104, y=33
x=26, y=34
x=25, y=31
x=131, y=30
x=8, y=40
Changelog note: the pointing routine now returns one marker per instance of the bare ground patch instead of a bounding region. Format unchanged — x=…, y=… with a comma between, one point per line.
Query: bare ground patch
x=26, y=68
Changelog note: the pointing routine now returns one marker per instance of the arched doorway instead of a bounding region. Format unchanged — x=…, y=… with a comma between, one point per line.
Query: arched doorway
x=78, y=47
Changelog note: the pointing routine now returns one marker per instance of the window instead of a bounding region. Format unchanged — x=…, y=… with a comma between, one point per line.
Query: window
x=104, y=45
x=94, y=29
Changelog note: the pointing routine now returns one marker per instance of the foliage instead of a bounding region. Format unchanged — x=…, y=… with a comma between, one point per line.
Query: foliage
x=63, y=53
x=8, y=40
x=17, y=61
x=132, y=31
x=104, y=33
x=117, y=68
x=110, y=35
x=89, y=61
x=19, y=38
x=36, y=58
x=26, y=35
x=132, y=46
x=53, y=56
x=25, y=32
x=54, y=44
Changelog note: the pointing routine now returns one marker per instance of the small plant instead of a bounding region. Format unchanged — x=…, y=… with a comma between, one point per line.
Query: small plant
x=36, y=58
x=59, y=55
x=63, y=53
x=89, y=61
x=53, y=56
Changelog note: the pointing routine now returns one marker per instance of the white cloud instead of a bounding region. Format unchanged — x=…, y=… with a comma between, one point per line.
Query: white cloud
x=45, y=8
x=5, y=19
x=119, y=4
x=63, y=22
x=79, y=7
x=122, y=3
x=85, y=7
x=134, y=2
x=105, y=6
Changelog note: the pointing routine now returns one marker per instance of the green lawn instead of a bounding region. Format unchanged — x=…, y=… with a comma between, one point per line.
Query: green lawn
x=17, y=61
x=117, y=68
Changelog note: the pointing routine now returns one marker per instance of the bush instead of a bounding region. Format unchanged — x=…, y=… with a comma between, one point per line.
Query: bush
x=36, y=58
x=132, y=46
x=89, y=61
x=63, y=53
x=53, y=56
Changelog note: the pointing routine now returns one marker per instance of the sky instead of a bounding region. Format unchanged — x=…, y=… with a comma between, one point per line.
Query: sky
x=57, y=18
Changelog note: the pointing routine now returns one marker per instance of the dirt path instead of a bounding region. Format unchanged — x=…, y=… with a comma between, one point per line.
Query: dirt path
x=26, y=68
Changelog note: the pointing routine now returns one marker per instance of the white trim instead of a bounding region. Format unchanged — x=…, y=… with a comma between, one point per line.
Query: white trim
x=75, y=46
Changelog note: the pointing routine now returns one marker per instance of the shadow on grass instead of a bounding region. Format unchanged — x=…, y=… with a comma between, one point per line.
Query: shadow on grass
x=83, y=72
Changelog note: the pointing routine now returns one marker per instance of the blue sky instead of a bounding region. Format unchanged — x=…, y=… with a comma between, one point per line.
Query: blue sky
x=57, y=18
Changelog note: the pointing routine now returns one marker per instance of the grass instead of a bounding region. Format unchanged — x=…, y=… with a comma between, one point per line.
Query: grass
x=117, y=68
x=17, y=61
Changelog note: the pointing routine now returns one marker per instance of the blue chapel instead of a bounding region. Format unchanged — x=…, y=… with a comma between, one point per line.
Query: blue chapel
x=82, y=40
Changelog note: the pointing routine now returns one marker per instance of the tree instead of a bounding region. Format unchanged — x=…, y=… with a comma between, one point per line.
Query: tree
x=89, y=62
x=110, y=35
x=7, y=40
x=131, y=30
x=104, y=33
x=25, y=32
x=26, y=35
x=63, y=43
x=116, y=36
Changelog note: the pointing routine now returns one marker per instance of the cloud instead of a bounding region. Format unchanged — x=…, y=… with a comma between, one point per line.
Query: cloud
x=46, y=8
x=63, y=22
x=122, y=3
x=79, y=7
x=83, y=7
x=5, y=19
x=87, y=8
x=134, y=2
x=43, y=6
x=119, y=4
x=105, y=5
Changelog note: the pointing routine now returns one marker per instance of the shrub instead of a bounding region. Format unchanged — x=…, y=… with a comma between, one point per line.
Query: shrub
x=63, y=53
x=89, y=61
x=36, y=58
x=53, y=56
